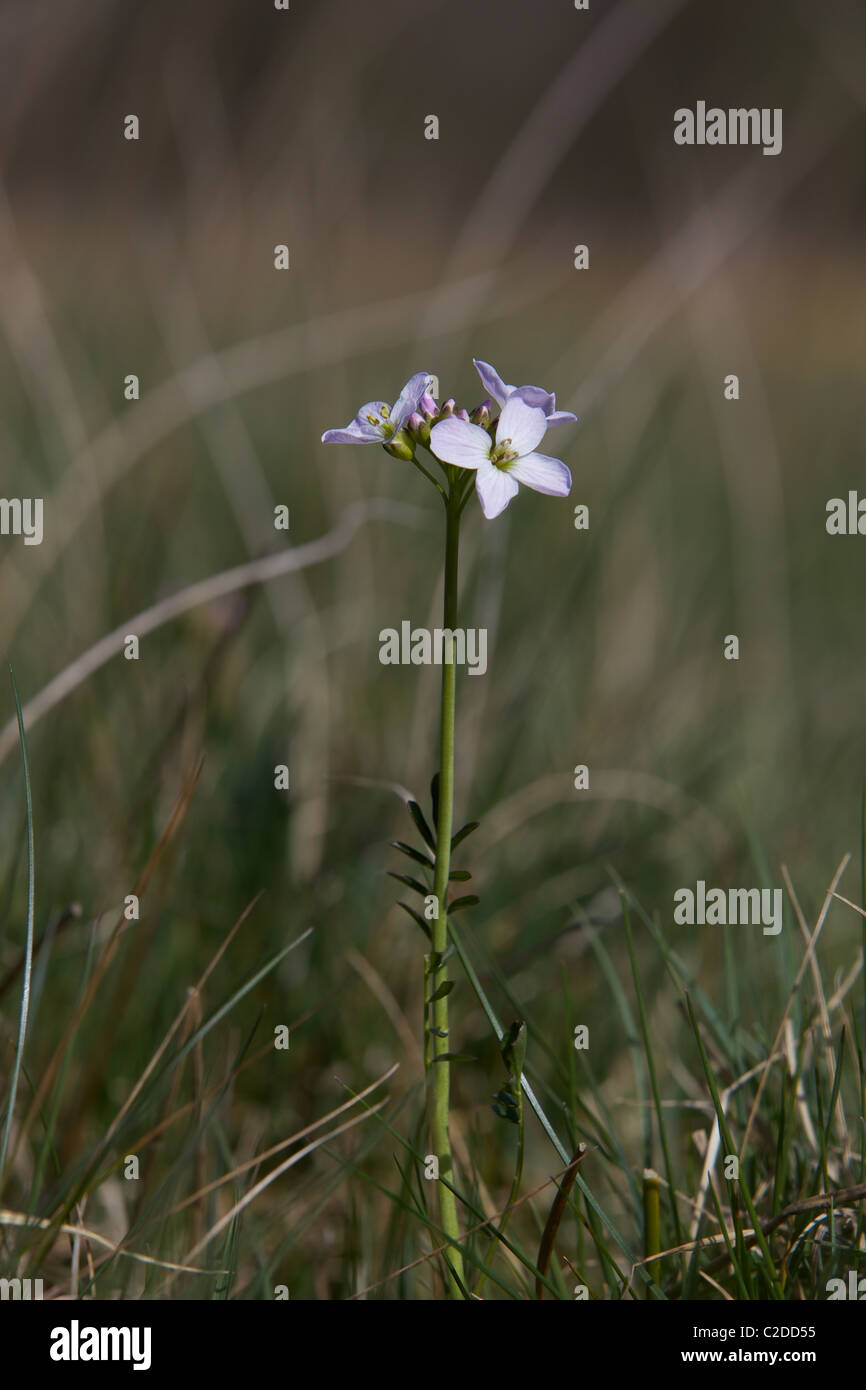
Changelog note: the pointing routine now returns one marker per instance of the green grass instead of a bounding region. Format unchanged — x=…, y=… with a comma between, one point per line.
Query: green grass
x=155, y=1038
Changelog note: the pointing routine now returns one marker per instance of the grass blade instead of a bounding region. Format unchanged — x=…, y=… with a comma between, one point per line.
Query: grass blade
x=28, y=958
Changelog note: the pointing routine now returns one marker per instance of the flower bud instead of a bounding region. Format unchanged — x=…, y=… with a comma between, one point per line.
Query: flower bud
x=428, y=406
x=418, y=428
x=463, y=415
x=447, y=408
x=400, y=447
x=481, y=414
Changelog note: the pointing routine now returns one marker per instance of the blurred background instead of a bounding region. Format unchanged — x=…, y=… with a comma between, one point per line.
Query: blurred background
x=605, y=647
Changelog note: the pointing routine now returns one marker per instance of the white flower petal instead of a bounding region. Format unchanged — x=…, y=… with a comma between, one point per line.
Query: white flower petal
x=368, y=427
x=534, y=395
x=523, y=424
x=458, y=441
x=542, y=474
x=409, y=398
x=492, y=381
x=495, y=489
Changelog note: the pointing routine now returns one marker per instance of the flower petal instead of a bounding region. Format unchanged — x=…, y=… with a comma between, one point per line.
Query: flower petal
x=492, y=381
x=457, y=441
x=346, y=436
x=533, y=395
x=495, y=489
x=522, y=424
x=363, y=429
x=542, y=474
x=561, y=417
x=409, y=398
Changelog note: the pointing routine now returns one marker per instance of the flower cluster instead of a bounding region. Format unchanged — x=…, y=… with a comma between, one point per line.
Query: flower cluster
x=502, y=451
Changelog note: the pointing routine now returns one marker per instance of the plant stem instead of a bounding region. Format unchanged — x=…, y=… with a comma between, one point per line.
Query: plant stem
x=652, y=1223
x=444, y=828
x=518, y=1176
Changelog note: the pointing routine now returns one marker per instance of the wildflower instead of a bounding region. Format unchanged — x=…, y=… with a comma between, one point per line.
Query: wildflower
x=377, y=422
x=502, y=463
x=532, y=395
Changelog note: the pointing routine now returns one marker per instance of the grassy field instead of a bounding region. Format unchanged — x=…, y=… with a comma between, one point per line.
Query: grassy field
x=260, y=1170
x=156, y=777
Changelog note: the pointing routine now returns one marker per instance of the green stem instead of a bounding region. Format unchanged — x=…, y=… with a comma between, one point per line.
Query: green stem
x=518, y=1176
x=427, y=474
x=444, y=830
x=652, y=1223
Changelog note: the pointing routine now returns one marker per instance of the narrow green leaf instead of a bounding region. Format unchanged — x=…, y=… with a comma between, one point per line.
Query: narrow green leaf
x=445, y=988
x=28, y=950
x=454, y=1057
x=652, y=1073
x=467, y=829
x=459, y=875
x=730, y=1147
x=423, y=828
x=469, y=901
x=415, y=854
x=513, y=1048
x=410, y=883
x=434, y=797
x=591, y=1201
x=239, y=994
x=837, y=1082
x=416, y=917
